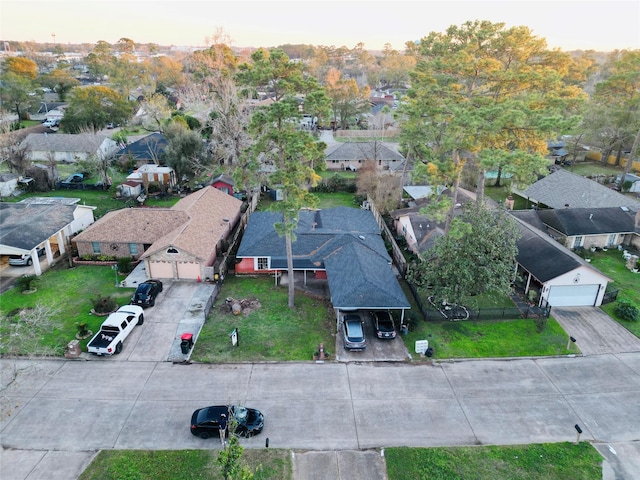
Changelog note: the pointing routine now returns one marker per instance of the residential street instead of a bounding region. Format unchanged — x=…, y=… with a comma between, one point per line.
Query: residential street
x=58, y=413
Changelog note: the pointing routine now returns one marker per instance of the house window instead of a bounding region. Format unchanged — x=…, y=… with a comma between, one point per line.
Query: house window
x=611, y=239
x=262, y=263
x=172, y=250
x=578, y=242
x=133, y=248
x=96, y=247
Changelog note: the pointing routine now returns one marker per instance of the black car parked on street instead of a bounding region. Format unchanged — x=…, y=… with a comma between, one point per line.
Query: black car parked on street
x=146, y=293
x=205, y=422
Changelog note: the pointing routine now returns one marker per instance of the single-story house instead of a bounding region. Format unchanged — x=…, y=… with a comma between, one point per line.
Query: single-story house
x=181, y=242
x=591, y=227
x=65, y=147
x=419, y=230
x=563, y=189
x=342, y=244
x=149, y=149
x=150, y=173
x=353, y=155
x=560, y=277
x=36, y=222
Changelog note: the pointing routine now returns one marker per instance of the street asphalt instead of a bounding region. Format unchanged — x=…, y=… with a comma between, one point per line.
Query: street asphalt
x=336, y=417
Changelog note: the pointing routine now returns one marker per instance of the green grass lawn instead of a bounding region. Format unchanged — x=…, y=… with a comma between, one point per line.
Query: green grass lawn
x=268, y=464
x=593, y=168
x=483, y=338
x=270, y=332
x=558, y=461
x=70, y=290
x=339, y=199
x=612, y=264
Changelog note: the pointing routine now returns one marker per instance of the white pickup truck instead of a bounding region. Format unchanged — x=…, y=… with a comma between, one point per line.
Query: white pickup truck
x=115, y=329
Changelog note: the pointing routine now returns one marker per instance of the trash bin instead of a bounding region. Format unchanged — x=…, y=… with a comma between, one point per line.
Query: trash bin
x=186, y=342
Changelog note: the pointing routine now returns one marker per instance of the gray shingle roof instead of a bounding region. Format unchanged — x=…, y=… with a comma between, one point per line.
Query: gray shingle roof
x=64, y=142
x=345, y=242
x=563, y=188
x=588, y=221
x=542, y=256
x=43, y=221
x=355, y=151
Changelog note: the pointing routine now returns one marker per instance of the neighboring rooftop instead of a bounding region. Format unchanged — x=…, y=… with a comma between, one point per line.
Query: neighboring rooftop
x=563, y=189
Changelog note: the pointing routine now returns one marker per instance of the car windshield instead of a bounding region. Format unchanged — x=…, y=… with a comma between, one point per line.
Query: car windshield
x=240, y=413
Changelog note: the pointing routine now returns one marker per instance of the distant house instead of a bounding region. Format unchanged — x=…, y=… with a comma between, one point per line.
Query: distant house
x=353, y=155
x=149, y=149
x=563, y=189
x=148, y=174
x=181, y=242
x=558, y=276
x=68, y=148
x=224, y=183
x=421, y=231
x=36, y=222
x=342, y=245
x=586, y=227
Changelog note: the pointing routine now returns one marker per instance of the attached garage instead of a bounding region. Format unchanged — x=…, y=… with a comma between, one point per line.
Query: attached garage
x=573, y=295
x=188, y=270
x=160, y=270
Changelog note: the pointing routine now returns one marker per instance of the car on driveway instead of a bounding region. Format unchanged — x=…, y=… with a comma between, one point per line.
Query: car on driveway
x=353, y=332
x=383, y=324
x=146, y=293
x=205, y=422
x=25, y=259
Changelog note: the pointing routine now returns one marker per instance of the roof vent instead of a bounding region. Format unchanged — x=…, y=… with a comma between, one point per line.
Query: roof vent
x=361, y=237
x=590, y=216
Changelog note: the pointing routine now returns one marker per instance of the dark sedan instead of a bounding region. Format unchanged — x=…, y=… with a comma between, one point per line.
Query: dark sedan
x=383, y=324
x=205, y=422
x=146, y=293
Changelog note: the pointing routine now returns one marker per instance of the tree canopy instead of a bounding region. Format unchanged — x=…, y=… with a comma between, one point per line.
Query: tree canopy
x=477, y=256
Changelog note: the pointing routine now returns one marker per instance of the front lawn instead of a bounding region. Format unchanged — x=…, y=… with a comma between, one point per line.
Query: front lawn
x=612, y=264
x=268, y=464
x=548, y=461
x=483, y=338
x=271, y=331
x=70, y=291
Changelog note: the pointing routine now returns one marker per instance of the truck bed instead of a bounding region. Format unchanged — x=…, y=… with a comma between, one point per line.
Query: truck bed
x=103, y=339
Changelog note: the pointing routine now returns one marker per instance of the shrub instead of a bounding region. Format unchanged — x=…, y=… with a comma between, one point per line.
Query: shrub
x=26, y=282
x=627, y=311
x=104, y=304
x=83, y=331
x=124, y=264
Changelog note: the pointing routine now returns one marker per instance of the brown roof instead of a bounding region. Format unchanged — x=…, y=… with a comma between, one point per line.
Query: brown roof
x=133, y=225
x=195, y=224
x=212, y=214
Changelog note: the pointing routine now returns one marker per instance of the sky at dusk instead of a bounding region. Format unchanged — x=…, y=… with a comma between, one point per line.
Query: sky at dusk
x=565, y=24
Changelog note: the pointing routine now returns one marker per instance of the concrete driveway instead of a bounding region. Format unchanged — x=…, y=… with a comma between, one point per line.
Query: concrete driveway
x=75, y=407
x=595, y=331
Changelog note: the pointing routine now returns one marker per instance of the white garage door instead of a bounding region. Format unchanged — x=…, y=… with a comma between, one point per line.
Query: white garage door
x=572, y=295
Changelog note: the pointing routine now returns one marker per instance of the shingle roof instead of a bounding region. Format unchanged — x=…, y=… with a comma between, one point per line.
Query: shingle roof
x=64, y=142
x=43, y=221
x=150, y=147
x=354, y=151
x=543, y=257
x=344, y=241
x=563, y=188
x=195, y=224
x=211, y=213
x=588, y=221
